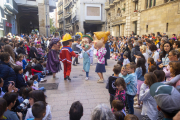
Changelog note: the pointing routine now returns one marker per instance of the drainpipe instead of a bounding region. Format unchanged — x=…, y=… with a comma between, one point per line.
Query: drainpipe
x=46, y=18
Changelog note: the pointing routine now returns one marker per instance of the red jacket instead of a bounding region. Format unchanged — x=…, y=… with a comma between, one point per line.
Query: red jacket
x=66, y=54
x=33, y=71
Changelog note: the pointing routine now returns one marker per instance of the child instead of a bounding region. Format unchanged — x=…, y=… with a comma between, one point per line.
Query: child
x=126, y=60
x=20, y=81
x=149, y=108
x=160, y=75
x=39, y=110
x=111, y=80
x=66, y=54
x=25, y=93
x=131, y=81
x=152, y=68
x=140, y=71
x=20, y=58
x=174, y=71
x=36, y=84
x=39, y=50
x=123, y=73
x=118, y=106
x=3, y=108
x=120, y=92
x=131, y=117
x=151, y=61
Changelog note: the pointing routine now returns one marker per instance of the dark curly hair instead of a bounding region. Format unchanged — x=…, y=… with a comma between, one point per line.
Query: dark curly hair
x=4, y=56
x=152, y=47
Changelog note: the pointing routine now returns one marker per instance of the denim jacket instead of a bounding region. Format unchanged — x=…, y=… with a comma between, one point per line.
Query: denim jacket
x=139, y=74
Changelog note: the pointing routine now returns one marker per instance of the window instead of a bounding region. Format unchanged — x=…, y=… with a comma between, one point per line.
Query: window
x=167, y=27
x=118, y=12
x=147, y=1
x=136, y=5
x=150, y=3
x=154, y=3
x=146, y=28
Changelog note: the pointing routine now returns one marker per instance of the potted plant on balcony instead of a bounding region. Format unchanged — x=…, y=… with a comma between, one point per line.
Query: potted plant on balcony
x=124, y=9
x=135, y=10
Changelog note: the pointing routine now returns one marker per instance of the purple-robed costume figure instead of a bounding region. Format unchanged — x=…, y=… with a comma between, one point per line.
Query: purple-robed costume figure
x=53, y=63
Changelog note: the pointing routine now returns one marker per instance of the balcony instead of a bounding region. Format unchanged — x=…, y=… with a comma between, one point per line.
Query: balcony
x=107, y=6
x=68, y=25
x=111, y=3
x=116, y=1
x=67, y=4
x=60, y=3
x=60, y=12
x=67, y=15
x=75, y=19
x=60, y=20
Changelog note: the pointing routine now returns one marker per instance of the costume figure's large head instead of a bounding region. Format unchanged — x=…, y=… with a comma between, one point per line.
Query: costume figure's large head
x=79, y=33
x=86, y=42
x=100, y=38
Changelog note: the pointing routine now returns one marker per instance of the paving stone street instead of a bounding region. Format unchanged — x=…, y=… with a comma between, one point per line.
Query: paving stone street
x=89, y=93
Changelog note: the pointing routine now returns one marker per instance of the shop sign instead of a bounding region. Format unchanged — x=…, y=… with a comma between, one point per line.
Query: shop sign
x=8, y=24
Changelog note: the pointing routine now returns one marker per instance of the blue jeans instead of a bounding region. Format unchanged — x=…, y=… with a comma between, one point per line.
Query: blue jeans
x=39, y=76
x=87, y=74
x=130, y=101
x=41, y=88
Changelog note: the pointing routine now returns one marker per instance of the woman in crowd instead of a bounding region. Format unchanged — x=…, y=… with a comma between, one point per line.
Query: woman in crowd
x=155, y=54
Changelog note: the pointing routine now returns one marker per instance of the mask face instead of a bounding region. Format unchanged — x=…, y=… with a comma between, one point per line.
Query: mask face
x=85, y=44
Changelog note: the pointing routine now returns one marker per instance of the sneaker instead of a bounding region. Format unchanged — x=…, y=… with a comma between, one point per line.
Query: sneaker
x=43, y=80
x=86, y=78
x=74, y=65
x=138, y=106
x=100, y=81
x=77, y=63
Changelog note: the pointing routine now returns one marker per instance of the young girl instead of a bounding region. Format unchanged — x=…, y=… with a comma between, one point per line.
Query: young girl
x=34, y=96
x=174, y=71
x=120, y=92
x=19, y=61
x=20, y=81
x=160, y=75
x=39, y=49
x=149, y=107
x=151, y=62
x=25, y=93
x=140, y=71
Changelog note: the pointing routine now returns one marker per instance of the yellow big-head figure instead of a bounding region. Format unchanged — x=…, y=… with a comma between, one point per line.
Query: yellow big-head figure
x=100, y=38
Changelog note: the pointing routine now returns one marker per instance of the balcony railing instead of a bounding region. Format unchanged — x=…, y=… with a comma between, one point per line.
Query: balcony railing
x=67, y=4
x=60, y=20
x=111, y=2
x=60, y=12
x=75, y=19
x=67, y=15
x=68, y=25
x=60, y=3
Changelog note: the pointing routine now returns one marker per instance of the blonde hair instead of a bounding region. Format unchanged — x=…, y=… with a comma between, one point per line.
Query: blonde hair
x=101, y=35
x=143, y=47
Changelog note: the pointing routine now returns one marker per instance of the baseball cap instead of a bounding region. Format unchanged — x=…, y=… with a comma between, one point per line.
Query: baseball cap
x=167, y=97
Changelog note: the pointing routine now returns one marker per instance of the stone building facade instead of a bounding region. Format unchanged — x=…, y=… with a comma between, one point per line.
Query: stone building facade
x=160, y=16
x=123, y=17
x=142, y=17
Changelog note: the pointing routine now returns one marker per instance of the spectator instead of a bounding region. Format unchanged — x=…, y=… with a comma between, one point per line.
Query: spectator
x=155, y=54
x=143, y=51
x=76, y=111
x=39, y=110
x=19, y=61
x=11, y=101
x=102, y=112
x=176, y=45
x=126, y=60
x=6, y=72
x=118, y=106
x=149, y=110
x=21, y=49
x=33, y=52
x=34, y=96
x=167, y=99
x=3, y=108
x=160, y=75
x=131, y=117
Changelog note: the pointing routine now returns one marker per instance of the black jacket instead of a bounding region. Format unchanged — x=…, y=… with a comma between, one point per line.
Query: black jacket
x=107, y=56
x=32, y=51
x=38, y=67
x=21, y=50
x=110, y=85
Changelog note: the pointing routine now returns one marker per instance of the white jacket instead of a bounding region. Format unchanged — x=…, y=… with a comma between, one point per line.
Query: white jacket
x=48, y=115
x=149, y=107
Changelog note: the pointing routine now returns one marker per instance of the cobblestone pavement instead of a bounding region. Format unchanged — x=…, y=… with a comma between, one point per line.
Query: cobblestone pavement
x=89, y=93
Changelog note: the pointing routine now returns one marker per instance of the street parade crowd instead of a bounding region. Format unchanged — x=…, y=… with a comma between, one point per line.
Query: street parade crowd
x=146, y=76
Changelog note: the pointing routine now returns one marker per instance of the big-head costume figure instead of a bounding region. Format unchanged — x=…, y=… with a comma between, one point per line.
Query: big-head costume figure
x=100, y=38
x=86, y=46
x=66, y=55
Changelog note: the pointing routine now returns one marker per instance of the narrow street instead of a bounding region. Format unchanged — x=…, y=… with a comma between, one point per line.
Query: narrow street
x=89, y=93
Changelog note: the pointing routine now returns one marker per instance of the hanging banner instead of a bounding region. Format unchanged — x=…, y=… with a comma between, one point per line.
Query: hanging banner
x=8, y=24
